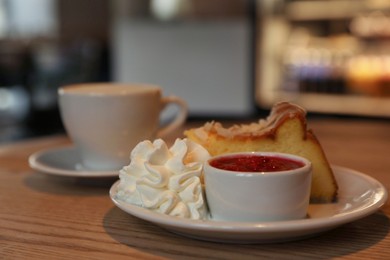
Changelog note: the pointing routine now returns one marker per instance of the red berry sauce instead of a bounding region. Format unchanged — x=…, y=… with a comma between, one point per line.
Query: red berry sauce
x=255, y=163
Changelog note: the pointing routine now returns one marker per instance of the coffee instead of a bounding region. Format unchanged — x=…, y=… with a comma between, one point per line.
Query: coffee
x=106, y=120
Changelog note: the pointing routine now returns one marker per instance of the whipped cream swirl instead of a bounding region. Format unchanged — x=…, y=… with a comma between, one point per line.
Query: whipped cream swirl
x=166, y=180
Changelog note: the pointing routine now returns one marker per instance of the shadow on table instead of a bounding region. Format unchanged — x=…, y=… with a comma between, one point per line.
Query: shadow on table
x=69, y=185
x=149, y=238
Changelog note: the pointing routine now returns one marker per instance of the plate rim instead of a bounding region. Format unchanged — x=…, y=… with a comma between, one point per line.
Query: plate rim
x=323, y=223
x=36, y=164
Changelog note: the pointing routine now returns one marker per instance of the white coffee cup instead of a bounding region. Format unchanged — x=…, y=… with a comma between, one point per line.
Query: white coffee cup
x=106, y=120
x=249, y=196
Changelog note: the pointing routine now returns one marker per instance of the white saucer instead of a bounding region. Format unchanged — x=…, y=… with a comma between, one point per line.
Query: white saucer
x=64, y=161
x=359, y=196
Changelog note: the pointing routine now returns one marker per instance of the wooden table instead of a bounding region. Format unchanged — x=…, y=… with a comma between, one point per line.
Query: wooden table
x=43, y=217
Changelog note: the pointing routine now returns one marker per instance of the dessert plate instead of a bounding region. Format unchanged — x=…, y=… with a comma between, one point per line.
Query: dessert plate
x=359, y=196
x=64, y=161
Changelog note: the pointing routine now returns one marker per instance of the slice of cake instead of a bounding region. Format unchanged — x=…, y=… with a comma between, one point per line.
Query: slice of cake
x=284, y=130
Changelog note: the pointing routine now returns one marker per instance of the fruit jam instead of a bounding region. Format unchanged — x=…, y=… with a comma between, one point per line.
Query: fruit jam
x=255, y=163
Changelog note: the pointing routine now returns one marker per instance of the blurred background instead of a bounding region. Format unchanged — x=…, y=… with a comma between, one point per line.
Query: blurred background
x=227, y=58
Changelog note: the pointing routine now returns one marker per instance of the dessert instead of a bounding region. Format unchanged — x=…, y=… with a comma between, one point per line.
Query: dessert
x=284, y=130
x=166, y=180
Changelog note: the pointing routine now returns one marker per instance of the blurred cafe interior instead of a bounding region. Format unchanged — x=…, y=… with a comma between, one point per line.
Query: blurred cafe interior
x=227, y=58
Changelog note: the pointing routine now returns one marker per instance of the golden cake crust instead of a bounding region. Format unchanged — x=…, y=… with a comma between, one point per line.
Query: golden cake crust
x=284, y=130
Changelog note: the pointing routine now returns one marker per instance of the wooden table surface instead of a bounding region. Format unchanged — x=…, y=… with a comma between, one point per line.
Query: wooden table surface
x=46, y=217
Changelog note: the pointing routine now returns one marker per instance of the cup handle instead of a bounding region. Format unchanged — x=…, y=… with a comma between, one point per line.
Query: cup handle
x=180, y=117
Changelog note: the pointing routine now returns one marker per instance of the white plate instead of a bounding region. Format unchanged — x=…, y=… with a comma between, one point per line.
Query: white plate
x=64, y=161
x=359, y=196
